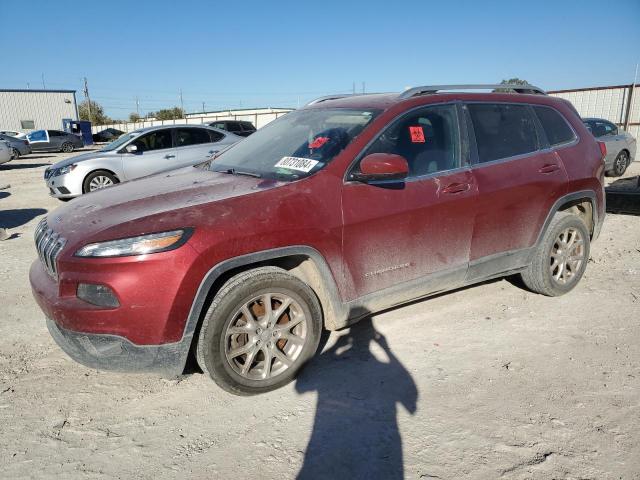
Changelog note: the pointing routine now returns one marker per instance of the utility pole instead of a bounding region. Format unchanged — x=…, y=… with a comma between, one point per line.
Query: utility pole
x=354, y=88
x=203, y=110
x=86, y=95
x=137, y=107
x=44, y=87
x=363, y=88
x=181, y=102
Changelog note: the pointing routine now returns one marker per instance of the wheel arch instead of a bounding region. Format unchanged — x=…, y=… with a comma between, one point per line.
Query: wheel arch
x=304, y=262
x=90, y=172
x=582, y=203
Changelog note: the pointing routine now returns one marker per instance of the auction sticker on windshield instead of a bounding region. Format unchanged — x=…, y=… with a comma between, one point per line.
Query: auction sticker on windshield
x=297, y=163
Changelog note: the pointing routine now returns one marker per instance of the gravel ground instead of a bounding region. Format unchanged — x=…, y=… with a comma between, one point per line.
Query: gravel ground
x=485, y=382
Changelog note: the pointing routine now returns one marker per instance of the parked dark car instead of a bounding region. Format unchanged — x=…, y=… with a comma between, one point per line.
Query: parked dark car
x=346, y=207
x=19, y=146
x=107, y=135
x=239, y=127
x=54, y=141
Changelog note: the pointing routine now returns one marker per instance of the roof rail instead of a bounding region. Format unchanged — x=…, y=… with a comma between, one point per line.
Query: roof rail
x=429, y=89
x=329, y=97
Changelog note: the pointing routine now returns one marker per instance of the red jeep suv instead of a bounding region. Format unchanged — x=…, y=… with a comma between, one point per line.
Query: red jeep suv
x=348, y=206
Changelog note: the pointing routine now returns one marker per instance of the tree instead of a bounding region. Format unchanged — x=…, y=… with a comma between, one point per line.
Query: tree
x=168, y=114
x=134, y=117
x=512, y=81
x=97, y=117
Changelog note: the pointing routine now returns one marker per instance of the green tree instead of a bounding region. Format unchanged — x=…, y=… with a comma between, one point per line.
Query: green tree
x=168, y=114
x=97, y=117
x=134, y=117
x=512, y=81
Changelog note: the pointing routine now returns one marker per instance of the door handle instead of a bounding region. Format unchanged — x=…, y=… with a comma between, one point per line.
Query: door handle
x=549, y=168
x=456, y=188
x=169, y=156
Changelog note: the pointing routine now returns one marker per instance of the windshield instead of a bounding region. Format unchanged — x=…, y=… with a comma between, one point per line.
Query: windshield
x=120, y=141
x=295, y=145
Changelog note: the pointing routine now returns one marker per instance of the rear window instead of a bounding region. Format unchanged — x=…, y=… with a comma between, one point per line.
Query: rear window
x=554, y=125
x=503, y=130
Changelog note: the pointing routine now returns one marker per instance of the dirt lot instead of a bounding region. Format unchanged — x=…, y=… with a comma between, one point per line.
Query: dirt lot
x=486, y=382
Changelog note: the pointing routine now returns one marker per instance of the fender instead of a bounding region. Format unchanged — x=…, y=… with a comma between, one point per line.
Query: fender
x=591, y=195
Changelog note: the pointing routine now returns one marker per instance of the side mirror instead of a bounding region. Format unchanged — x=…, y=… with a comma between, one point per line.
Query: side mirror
x=382, y=166
x=131, y=148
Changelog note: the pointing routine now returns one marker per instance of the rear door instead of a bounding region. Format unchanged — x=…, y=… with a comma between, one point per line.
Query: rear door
x=519, y=178
x=396, y=232
x=56, y=139
x=155, y=153
x=195, y=145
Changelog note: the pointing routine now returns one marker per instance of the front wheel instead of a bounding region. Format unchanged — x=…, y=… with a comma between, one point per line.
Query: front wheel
x=261, y=328
x=98, y=180
x=561, y=257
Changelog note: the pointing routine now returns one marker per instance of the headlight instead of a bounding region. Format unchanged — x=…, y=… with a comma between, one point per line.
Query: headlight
x=152, y=243
x=64, y=170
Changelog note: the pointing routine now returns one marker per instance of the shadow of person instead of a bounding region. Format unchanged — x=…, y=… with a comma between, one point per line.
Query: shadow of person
x=359, y=383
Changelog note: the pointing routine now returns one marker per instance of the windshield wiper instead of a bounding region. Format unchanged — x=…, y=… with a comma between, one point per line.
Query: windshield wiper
x=233, y=171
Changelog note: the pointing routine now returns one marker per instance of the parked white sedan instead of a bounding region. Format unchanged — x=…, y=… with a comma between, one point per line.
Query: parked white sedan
x=621, y=145
x=137, y=154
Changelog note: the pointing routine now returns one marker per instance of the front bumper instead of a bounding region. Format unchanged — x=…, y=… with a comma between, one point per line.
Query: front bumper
x=65, y=186
x=112, y=352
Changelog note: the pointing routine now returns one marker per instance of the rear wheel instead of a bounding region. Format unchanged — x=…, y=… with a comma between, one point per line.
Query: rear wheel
x=561, y=257
x=261, y=328
x=67, y=147
x=15, y=153
x=98, y=180
x=620, y=164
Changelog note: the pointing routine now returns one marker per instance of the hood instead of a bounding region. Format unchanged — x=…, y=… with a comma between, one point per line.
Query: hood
x=152, y=204
x=79, y=158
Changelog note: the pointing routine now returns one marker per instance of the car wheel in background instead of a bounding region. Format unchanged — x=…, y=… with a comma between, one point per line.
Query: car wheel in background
x=67, y=147
x=15, y=153
x=560, y=258
x=620, y=164
x=261, y=328
x=98, y=180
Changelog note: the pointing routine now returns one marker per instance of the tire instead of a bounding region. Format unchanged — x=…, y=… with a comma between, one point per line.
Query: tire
x=541, y=276
x=620, y=164
x=98, y=180
x=222, y=333
x=67, y=147
x=15, y=154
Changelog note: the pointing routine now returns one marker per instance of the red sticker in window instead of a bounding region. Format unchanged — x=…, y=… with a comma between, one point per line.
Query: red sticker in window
x=417, y=134
x=318, y=142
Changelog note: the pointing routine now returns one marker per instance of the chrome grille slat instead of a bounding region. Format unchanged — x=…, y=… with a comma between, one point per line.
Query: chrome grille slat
x=49, y=244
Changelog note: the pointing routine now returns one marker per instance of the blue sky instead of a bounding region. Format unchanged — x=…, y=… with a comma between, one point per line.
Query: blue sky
x=233, y=54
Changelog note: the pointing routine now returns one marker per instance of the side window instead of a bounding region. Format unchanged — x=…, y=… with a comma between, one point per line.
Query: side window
x=215, y=136
x=427, y=138
x=611, y=128
x=157, y=140
x=191, y=136
x=502, y=130
x=234, y=127
x=554, y=126
x=55, y=133
x=600, y=128
x=219, y=125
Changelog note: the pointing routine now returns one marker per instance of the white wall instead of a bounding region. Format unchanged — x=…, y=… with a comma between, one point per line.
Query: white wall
x=45, y=108
x=609, y=103
x=259, y=117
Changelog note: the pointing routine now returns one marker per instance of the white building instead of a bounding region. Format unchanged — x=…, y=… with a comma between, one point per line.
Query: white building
x=26, y=110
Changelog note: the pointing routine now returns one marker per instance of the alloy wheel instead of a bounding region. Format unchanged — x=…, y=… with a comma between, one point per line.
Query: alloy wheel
x=99, y=182
x=15, y=154
x=567, y=256
x=621, y=163
x=266, y=336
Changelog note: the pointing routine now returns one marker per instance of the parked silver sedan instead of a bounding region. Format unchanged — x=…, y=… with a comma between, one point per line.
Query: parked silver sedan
x=621, y=145
x=136, y=154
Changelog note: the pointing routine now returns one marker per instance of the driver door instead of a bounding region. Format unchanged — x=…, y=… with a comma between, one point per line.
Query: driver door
x=155, y=153
x=417, y=230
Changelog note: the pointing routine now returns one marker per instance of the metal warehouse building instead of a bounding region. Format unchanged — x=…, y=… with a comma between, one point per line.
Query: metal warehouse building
x=619, y=104
x=26, y=110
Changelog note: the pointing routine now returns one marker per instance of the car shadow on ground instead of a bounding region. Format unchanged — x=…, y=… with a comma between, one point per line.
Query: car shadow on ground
x=18, y=217
x=4, y=195
x=19, y=166
x=359, y=383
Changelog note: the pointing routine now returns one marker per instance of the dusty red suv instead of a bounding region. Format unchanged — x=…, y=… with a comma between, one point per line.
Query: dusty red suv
x=345, y=207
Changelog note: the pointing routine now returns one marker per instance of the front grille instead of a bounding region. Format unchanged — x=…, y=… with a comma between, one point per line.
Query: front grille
x=49, y=245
